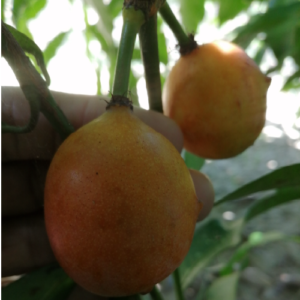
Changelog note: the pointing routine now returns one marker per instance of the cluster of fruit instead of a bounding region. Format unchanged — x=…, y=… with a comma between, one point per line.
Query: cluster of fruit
x=120, y=204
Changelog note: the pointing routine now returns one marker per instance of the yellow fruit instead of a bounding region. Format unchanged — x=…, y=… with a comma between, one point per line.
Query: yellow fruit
x=120, y=205
x=217, y=95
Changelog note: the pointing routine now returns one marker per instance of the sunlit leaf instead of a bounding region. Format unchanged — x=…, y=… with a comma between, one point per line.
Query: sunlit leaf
x=162, y=45
x=293, y=82
x=260, y=54
x=2, y=10
x=288, y=176
x=115, y=7
x=230, y=8
x=268, y=22
x=25, y=10
x=54, y=45
x=48, y=283
x=280, y=197
x=209, y=239
x=192, y=12
x=31, y=47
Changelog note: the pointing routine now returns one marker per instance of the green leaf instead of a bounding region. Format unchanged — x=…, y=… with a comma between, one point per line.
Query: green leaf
x=293, y=82
x=254, y=240
x=223, y=288
x=230, y=8
x=115, y=8
x=260, y=54
x=280, y=197
x=2, y=9
x=284, y=177
x=162, y=45
x=209, y=239
x=25, y=10
x=31, y=47
x=284, y=45
x=48, y=283
x=192, y=161
x=192, y=13
x=268, y=22
x=53, y=46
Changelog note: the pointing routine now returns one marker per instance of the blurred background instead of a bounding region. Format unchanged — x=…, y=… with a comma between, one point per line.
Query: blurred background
x=80, y=39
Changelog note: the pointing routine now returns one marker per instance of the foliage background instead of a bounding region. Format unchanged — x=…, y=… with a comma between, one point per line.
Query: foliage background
x=81, y=37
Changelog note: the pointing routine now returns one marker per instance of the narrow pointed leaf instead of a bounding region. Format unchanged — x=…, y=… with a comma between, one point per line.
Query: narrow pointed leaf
x=53, y=46
x=192, y=13
x=280, y=197
x=230, y=8
x=284, y=177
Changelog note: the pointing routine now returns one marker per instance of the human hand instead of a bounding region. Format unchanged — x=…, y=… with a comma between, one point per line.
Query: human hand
x=26, y=158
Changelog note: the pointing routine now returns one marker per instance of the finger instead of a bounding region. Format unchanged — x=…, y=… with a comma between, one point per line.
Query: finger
x=204, y=191
x=43, y=141
x=23, y=186
x=81, y=294
x=25, y=245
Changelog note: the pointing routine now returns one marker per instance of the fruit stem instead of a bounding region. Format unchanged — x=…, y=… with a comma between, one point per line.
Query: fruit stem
x=132, y=21
x=169, y=17
x=149, y=51
x=177, y=282
x=156, y=294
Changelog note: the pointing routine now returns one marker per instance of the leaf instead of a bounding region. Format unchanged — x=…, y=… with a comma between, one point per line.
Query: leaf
x=162, y=45
x=209, y=239
x=280, y=197
x=230, y=8
x=224, y=287
x=192, y=13
x=260, y=54
x=53, y=46
x=31, y=47
x=284, y=177
x=293, y=82
x=3, y=2
x=255, y=239
x=269, y=21
x=25, y=10
x=115, y=8
x=192, y=161
x=284, y=45
x=48, y=283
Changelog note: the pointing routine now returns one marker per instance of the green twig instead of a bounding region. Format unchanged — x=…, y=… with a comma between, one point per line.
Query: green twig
x=133, y=20
x=168, y=16
x=149, y=50
x=177, y=283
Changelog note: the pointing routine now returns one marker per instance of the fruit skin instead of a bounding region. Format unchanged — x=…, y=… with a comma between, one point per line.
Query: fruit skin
x=217, y=95
x=120, y=205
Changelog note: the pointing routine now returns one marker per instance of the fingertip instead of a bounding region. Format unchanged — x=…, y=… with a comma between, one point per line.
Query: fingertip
x=162, y=124
x=204, y=191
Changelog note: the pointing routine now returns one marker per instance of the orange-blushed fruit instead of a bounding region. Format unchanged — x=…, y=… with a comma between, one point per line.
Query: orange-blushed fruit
x=120, y=205
x=217, y=95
